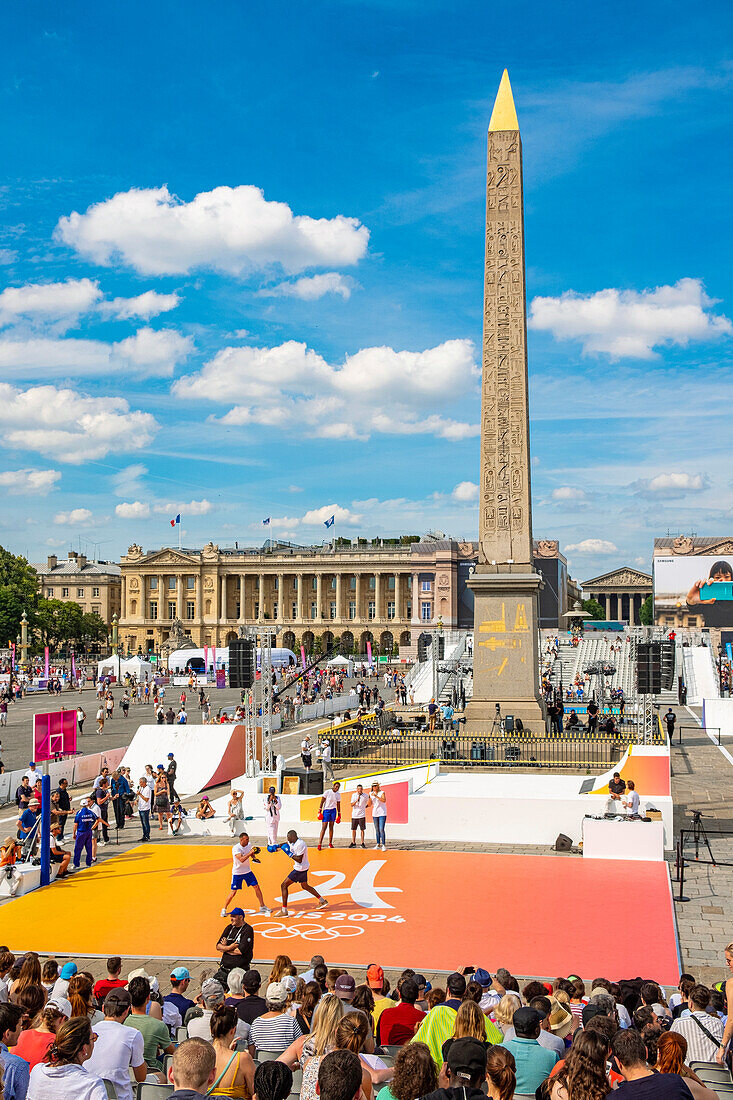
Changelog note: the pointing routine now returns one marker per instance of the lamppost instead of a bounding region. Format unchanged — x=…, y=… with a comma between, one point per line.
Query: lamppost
x=115, y=635
x=24, y=640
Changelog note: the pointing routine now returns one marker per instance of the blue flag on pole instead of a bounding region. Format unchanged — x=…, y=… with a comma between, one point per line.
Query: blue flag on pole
x=329, y=522
x=266, y=522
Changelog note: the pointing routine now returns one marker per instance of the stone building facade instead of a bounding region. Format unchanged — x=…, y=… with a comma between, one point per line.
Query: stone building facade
x=96, y=586
x=377, y=591
x=620, y=593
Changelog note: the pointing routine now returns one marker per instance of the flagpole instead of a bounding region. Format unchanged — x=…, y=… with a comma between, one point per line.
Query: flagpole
x=179, y=535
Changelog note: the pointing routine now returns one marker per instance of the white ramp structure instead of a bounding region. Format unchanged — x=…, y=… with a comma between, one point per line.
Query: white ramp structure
x=206, y=755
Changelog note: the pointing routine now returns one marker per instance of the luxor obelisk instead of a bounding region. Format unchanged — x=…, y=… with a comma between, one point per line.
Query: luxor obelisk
x=505, y=585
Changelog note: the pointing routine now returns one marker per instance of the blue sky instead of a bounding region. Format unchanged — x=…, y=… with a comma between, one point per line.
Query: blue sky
x=241, y=253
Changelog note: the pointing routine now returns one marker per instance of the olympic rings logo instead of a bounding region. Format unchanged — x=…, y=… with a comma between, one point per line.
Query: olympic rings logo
x=310, y=931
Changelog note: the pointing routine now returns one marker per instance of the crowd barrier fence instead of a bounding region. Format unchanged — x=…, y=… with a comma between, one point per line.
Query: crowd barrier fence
x=76, y=769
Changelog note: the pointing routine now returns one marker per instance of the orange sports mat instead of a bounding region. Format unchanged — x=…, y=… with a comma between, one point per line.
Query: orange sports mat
x=538, y=915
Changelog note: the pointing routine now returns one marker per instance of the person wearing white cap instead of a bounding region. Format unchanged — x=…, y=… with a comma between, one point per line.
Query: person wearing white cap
x=33, y=1044
x=276, y=1029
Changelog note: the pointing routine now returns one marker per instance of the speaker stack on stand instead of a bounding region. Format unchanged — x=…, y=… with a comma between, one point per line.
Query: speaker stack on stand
x=242, y=663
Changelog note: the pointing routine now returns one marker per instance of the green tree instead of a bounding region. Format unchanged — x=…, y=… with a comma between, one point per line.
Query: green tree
x=594, y=609
x=18, y=593
x=646, y=612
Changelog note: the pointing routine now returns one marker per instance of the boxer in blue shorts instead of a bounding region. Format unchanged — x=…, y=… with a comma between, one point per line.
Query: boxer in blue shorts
x=329, y=812
x=242, y=852
x=298, y=852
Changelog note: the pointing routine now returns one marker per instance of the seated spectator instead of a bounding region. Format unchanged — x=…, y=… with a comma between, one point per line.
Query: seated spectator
x=322, y=1038
x=252, y=1005
x=398, y=1025
x=156, y=1037
x=555, y=1023
x=118, y=1049
x=465, y=1071
x=682, y=999
x=33, y=1044
x=235, y=1072
x=641, y=1081
x=112, y=981
x=193, y=1069
x=204, y=809
x=49, y=974
x=584, y=1071
x=501, y=1077
x=339, y=1077
x=273, y=1081
x=702, y=1031
x=213, y=996
x=363, y=1001
x=414, y=1075
x=15, y=1071
x=470, y=1022
x=180, y=979
x=82, y=999
x=651, y=995
x=61, y=986
x=671, y=1056
x=677, y=998
x=64, y=1076
x=275, y=1029
x=504, y=1012
x=234, y=987
x=353, y=1034
x=533, y=1062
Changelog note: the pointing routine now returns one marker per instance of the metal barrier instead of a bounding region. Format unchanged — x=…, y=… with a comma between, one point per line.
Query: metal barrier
x=392, y=748
x=714, y=730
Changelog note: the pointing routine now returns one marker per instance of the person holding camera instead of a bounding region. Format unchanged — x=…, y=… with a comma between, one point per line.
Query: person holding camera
x=242, y=853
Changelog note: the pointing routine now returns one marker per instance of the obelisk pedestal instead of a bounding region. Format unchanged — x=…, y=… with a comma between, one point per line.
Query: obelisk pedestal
x=505, y=585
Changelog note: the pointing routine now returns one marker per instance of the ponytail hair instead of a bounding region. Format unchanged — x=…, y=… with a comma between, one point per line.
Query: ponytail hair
x=501, y=1071
x=223, y=1021
x=351, y=1034
x=70, y=1038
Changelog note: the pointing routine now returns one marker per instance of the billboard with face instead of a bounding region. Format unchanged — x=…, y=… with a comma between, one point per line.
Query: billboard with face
x=697, y=585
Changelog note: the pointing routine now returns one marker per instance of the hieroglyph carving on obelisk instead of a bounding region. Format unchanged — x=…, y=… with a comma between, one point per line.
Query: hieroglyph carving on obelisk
x=505, y=521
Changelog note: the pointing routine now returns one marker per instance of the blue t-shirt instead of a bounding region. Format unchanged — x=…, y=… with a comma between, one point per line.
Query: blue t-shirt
x=85, y=819
x=27, y=823
x=15, y=1074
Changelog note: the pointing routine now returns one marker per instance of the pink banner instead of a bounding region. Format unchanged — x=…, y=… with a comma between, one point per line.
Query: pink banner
x=12, y=650
x=213, y=657
x=302, y=655
x=73, y=666
x=46, y=668
x=369, y=652
x=206, y=658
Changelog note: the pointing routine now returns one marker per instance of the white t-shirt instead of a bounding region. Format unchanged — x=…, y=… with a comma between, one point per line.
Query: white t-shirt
x=300, y=848
x=379, y=808
x=241, y=866
x=74, y=1082
x=306, y=746
x=96, y=810
x=273, y=808
x=144, y=796
x=116, y=1049
x=330, y=800
x=631, y=799
x=326, y=752
x=359, y=804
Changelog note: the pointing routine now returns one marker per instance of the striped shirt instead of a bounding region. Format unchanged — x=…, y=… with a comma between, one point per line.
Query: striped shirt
x=699, y=1047
x=275, y=1033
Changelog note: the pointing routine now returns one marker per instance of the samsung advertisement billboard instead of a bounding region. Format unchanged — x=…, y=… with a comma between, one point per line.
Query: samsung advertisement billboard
x=698, y=585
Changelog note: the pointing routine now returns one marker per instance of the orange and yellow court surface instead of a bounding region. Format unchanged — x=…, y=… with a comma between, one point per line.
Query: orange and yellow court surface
x=539, y=915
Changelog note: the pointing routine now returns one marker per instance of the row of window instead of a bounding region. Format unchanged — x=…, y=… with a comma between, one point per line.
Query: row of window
x=426, y=610
x=190, y=583
x=80, y=593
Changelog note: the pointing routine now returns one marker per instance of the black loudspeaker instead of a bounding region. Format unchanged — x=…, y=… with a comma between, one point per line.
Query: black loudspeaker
x=310, y=782
x=563, y=843
x=654, y=667
x=509, y=723
x=242, y=663
x=519, y=725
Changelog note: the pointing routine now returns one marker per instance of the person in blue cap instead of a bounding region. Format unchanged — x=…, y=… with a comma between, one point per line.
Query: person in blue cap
x=85, y=822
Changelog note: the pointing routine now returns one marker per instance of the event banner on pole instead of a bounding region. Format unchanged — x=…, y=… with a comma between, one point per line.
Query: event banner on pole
x=369, y=653
x=46, y=666
x=302, y=656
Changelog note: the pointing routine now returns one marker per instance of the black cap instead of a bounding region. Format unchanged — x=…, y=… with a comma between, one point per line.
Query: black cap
x=456, y=983
x=591, y=1010
x=252, y=980
x=467, y=1058
x=525, y=1019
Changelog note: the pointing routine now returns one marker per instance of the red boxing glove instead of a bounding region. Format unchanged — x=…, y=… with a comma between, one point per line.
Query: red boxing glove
x=338, y=819
x=320, y=816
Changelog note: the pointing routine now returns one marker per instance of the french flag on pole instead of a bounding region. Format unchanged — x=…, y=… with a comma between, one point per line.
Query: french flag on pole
x=176, y=520
x=329, y=522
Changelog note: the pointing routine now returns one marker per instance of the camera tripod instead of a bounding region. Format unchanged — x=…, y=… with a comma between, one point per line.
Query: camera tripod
x=497, y=726
x=700, y=836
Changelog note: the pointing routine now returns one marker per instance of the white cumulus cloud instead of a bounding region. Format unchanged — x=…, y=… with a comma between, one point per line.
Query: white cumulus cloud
x=147, y=352
x=128, y=481
x=320, y=515
x=70, y=426
x=629, y=323
x=144, y=306
x=567, y=492
x=75, y=516
x=132, y=509
x=59, y=302
x=592, y=546
x=291, y=386
x=672, y=484
x=310, y=287
x=230, y=229
x=465, y=490
x=29, y=481
x=190, y=508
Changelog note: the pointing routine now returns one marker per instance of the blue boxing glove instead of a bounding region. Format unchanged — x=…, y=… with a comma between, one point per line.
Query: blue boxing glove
x=285, y=847
x=273, y=848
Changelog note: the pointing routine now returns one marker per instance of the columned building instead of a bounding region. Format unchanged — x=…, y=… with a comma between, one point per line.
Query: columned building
x=620, y=593
x=384, y=592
